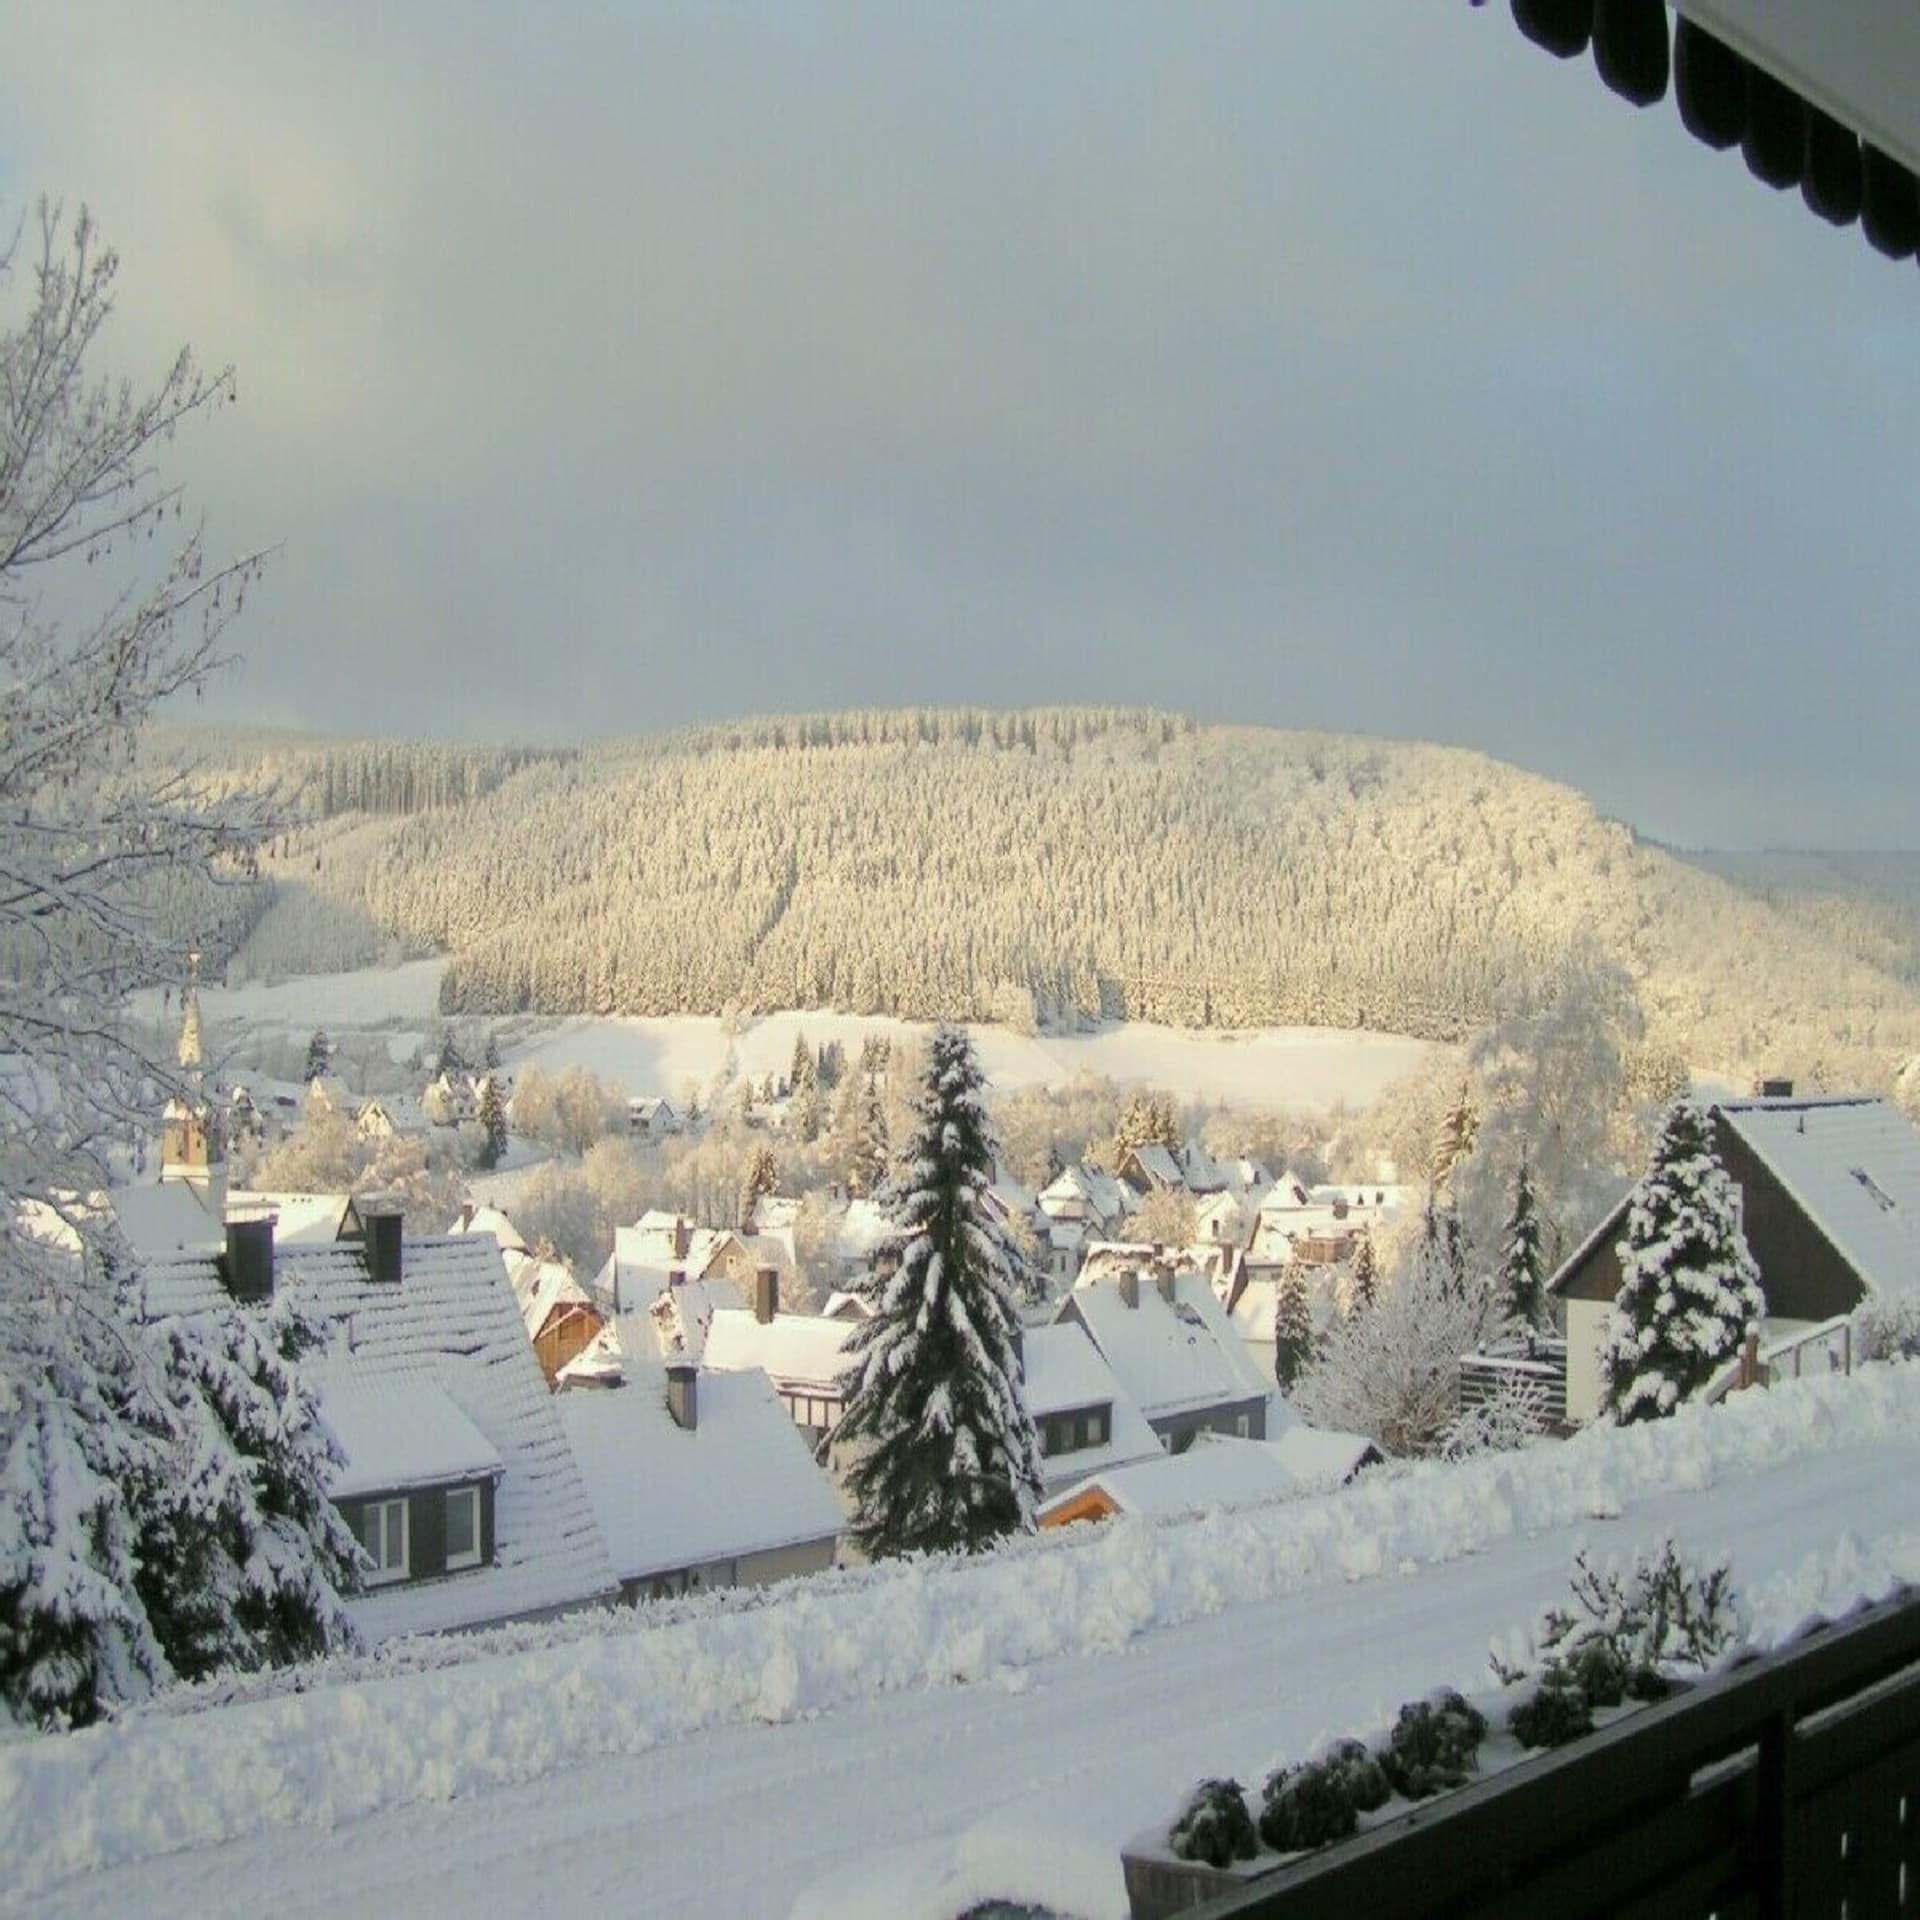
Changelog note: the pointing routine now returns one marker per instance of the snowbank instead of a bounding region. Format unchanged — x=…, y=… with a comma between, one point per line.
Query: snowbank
x=487, y=1717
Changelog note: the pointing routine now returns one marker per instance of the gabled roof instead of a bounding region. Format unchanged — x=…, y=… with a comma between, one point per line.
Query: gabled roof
x=792, y=1349
x=1065, y=1371
x=540, y=1286
x=490, y=1220
x=680, y=1315
x=451, y=1319
x=741, y=1481
x=1853, y=1167
x=1170, y=1358
x=1158, y=1165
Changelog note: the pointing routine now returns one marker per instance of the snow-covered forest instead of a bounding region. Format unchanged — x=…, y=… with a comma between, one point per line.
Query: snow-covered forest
x=1042, y=867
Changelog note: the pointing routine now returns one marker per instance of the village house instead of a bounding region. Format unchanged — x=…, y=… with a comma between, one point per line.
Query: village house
x=1079, y=1196
x=559, y=1317
x=1829, y=1198
x=1173, y=1352
x=697, y=1479
x=451, y=1100
x=659, y=1246
x=801, y=1353
x=1086, y=1421
x=458, y=1480
x=651, y=1119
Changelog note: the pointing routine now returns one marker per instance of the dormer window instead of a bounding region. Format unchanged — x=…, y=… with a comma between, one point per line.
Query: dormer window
x=463, y=1528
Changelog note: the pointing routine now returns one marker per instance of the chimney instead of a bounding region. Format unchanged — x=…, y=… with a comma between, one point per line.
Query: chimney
x=682, y=1237
x=1129, y=1288
x=676, y=1276
x=683, y=1394
x=249, y=1261
x=1163, y=1279
x=766, y=1295
x=1776, y=1089
x=382, y=1220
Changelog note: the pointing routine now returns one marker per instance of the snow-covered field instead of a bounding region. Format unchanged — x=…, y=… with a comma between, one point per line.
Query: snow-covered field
x=1290, y=1067
x=906, y=1738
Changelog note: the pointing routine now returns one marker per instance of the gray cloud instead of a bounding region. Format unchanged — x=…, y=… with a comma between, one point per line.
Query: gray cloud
x=1323, y=365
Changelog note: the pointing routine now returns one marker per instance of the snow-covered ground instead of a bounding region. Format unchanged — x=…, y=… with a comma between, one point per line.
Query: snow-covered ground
x=1290, y=1067
x=905, y=1738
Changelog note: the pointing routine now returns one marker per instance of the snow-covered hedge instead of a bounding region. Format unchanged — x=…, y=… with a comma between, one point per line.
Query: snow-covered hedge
x=435, y=1723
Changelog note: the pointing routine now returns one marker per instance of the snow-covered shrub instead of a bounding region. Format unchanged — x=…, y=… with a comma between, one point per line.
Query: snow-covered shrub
x=1556, y=1712
x=1358, y=1770
x=1214, y=1825
x=1435, y=1745
x=1888, y=1328
x=1517, y=1412
x=1629, y=1632
x=1307, y=1806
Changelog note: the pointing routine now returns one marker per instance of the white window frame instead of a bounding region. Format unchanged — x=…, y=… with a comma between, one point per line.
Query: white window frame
x=373, y=1517
x=1243, y=1425
x=458, y=1561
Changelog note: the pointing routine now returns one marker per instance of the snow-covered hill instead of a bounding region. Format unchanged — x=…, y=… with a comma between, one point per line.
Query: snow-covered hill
x=721, y=1755
x=1040, y=867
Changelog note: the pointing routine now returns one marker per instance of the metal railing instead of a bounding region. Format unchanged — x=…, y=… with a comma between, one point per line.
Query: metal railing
x=1788, y=1786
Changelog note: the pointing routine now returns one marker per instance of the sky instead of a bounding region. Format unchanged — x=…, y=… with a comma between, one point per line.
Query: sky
x=604, y=368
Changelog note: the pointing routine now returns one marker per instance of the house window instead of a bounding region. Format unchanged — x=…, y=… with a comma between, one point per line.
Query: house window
x=1242, y=1425
x=381, y=1527
x=463, y=1528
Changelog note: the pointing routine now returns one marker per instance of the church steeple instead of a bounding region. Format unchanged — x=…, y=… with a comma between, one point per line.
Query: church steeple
x=191, y=1145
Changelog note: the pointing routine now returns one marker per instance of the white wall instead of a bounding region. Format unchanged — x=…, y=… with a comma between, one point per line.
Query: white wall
x=1586, y=1331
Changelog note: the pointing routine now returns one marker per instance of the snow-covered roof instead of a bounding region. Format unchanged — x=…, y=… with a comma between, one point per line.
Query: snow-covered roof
x=793, y=1349
x=542, y=1285
x=741, y=1481
x=1853, y=1167
x=300, y=1219
x=646, y=1253
x=1169, y=1357
x=1287, y=1194
x=491, y=1220
x=1158, y=1164
x=679, y=1316
x=398, y=1430
x=168, y=1218
x=452, y=1319
x=845, y=1304
x=1320, y=1457
x=862, y=1227
x=1215, y=1472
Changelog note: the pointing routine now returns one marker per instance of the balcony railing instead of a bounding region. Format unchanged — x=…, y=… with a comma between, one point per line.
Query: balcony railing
x=1788, y=1786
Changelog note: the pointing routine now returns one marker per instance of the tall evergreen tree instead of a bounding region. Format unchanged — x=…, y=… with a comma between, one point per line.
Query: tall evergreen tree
x=802, y=1067
x=761, y=1177
x=871, y=1147
x=491, y=1058
x=319, y=1056
x=448, y=1059
x=1523, y=1296
x=493, y=1124
x=1363, y=1289
x=1443, y=1246
x=1689, y=1286
x=941, y=1452
x=1292, y=1326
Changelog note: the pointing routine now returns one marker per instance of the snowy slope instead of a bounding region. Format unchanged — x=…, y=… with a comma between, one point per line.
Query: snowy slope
x=725, y=1759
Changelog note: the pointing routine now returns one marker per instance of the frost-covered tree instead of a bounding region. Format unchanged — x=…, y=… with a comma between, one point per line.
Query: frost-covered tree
x=448, y=1057
x=762, y=1177
x=1454, y=1141
x=1689, y=1286
x=319, y=1057
x=108, y=1424
x=1148, y=1120
x=1442, y=1246
x=1522, y=1278
x=1394, y=1373
x=1165, y=1218
x=1292, y=1326
x=493, y=1124
x=867, y=1171
x=940, y=1452
x=803, y=1066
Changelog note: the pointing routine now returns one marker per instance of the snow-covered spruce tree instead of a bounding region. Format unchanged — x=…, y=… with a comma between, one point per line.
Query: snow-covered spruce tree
x=762, y=1177
x=1443, y=1246
x=493, y=1124
x=319, y=1056
x=103, y=1421
x=1292, y=1326
x=940, y=1451
x=868, y=1171
x=1522, y=1279
x=1689, y=1287
x=1363, y=1287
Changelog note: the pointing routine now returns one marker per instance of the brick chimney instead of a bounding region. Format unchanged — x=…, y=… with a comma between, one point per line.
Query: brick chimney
x=683, y=1394
x=1163, y=1279
x=1775, y=1089
x=383, y=1221
x=682, y=1237
x=766, y=1295
x=1129, y=1289
x=248, y=1267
